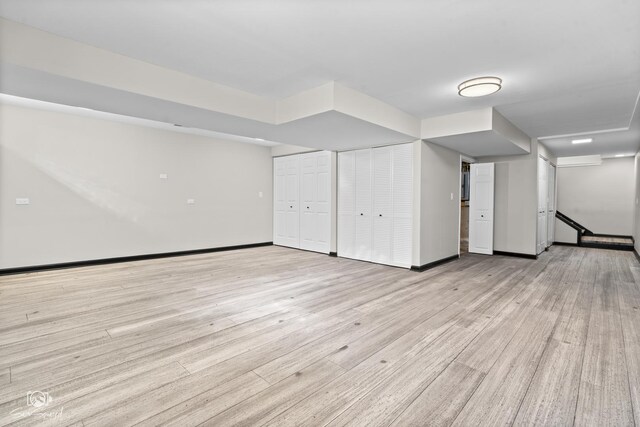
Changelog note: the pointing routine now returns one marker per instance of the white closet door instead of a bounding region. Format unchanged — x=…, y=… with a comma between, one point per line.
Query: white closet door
x=292, y=224
x=543, y=188
x=551, y=211
x=315, y=203
x=382, y=205
x=323, y=201
x=308, y=196
x=363, y=214
x=346, y=203
x=481, y=208
x=402, y=204
x=279, y=201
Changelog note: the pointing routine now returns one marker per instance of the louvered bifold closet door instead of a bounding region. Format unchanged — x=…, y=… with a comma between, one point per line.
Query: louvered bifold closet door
x=315, y=202
x=382, y=205
x=402, y=190
x=346, y=203
x=375, y=204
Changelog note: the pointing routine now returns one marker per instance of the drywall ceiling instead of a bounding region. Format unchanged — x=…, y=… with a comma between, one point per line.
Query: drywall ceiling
x=479, y=144
x=623, y=142
x=129, y=119
x=329, y=130
x=568, y=67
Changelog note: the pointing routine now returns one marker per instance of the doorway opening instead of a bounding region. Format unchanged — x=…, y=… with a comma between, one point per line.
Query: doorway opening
x=465, y=193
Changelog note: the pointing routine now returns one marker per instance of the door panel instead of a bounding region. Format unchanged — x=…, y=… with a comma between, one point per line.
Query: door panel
x=551, y=213
x=279, y=201
x=402, y=166
x=315, y=225
x=543, y=189
x=363, y=223
x=481, y=208
x=402, y=242
x=293, y=199
x=346, y=203
x=382, y=205
x=323, y=203
x=308, y=191
x=376, y=187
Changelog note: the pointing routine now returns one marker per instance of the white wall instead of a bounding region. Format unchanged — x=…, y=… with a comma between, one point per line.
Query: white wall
x=564, y=233
x=95, y=190
x=600, y=198
x=439, y=214
x=287, y=149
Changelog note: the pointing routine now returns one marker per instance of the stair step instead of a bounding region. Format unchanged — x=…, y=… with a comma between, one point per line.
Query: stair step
x=607, y=242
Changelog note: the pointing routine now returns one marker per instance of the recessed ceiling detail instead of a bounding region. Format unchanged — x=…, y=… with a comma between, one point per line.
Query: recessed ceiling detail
x=477, y=133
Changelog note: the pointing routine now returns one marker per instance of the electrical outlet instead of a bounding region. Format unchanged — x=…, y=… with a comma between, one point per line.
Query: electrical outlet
x=191, y=201
x=164, y=176
x=22, y=201
x=451, y=196
x=260, y=194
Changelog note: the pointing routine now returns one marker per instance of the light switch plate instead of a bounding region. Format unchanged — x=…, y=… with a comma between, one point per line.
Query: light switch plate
x=191, y=201
x=260, y=194
x=22, y=201
x=164, y=176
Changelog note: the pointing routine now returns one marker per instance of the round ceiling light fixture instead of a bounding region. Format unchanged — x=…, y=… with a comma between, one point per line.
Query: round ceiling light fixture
x=480, y=86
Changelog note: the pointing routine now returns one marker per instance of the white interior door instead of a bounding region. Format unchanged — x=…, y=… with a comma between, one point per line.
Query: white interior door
x=481, y=208
x=543, y=189
x=292, y=206
x=279, y=200
x=363, y=215
x=551, y=213
x=402, y=204
x=347, y=204
x=382, y=205
x=315, y=202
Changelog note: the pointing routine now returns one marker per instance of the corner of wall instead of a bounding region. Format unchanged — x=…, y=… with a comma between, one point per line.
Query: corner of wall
x=439, y=211
x=417, y=178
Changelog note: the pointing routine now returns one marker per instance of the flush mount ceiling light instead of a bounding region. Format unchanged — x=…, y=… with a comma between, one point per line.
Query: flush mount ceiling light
x=582, y=141
x=479, y=86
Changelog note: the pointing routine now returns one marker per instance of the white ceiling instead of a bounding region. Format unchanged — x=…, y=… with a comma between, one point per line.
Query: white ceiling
x=607, y=144
x=478, y=144
x=134, y=120
x=568, y=66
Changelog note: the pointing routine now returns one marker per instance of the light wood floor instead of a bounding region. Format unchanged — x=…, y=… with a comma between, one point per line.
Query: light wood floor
x=285, y=337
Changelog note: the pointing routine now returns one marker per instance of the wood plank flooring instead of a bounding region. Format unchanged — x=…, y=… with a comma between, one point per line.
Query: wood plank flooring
x=275, y=336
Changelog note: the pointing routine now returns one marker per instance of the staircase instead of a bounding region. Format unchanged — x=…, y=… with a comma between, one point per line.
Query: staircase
x=589, y=239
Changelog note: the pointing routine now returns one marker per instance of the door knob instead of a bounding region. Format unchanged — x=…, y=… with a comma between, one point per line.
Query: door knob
x=361, y=214
x=481, y=216
x=380, y=215
x=307, y=207
x=291, y=207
